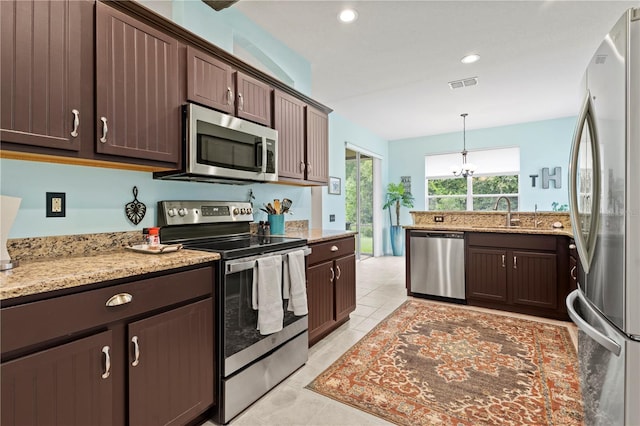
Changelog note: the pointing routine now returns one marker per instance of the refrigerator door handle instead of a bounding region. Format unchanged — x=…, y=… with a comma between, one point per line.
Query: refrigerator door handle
x=583, y=325
x=584, y=246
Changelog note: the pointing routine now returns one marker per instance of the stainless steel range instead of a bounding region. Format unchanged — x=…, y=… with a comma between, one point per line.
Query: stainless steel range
x=248, y=363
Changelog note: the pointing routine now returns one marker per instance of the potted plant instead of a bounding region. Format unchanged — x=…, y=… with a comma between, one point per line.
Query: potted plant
x=397, y=196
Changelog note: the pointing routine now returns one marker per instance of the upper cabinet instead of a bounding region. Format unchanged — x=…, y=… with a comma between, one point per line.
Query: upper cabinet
x=214, y=83
x=46, y=91
x=303, y=145
x=138, y=109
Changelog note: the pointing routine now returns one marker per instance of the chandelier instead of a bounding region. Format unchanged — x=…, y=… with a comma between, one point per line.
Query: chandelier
x=466, y=169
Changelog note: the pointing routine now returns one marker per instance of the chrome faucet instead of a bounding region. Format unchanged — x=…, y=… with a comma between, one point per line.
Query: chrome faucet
x=502, y=197
x=536, y=222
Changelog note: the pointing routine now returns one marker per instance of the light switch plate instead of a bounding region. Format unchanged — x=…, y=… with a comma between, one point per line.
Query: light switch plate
x=56, y=204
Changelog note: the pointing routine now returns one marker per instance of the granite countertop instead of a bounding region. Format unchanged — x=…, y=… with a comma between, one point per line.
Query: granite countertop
x=50, y=274
x=498, y=229
x=319, y=235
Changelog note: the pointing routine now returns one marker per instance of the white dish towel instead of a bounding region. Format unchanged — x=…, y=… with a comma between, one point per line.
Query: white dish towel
x=295, y=286
x=267, y=294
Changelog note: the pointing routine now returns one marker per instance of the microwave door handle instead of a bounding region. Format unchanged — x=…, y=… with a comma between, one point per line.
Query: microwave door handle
x=264, y=155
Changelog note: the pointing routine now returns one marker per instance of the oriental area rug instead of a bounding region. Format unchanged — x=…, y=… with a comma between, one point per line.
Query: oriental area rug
x=438, y=364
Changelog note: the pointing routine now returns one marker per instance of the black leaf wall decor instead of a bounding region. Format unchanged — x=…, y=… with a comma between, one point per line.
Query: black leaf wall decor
x=135, y=210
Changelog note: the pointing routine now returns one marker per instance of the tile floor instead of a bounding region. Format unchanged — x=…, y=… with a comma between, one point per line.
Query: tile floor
x=380, y=290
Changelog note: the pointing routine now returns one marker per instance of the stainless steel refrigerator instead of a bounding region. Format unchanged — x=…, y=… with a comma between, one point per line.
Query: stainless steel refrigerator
x=604, y=198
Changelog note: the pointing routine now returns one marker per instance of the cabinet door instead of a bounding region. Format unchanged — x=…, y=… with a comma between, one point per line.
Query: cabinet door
x=320, y=298
x=66, y=385
x=138, y=105
x=317, y=146
x=487, y=274
x=41, y=79
x=534, y=279
x=171, y=365
x=253, y=99
x=345, y=284
x=288, y=120
x=209, y=81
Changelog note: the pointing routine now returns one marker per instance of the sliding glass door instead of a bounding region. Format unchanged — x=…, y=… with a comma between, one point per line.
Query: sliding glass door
x=359, y=200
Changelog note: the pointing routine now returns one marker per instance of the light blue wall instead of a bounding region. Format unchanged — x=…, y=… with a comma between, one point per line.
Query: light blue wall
x=341, y=131
x=221, y=28
x=542, y=144
x=96, y=197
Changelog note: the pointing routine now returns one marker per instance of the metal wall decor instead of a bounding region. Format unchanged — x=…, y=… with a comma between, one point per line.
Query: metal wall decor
x=135, y=210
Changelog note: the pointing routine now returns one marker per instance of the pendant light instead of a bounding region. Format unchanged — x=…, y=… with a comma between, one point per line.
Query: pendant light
x=466, y=169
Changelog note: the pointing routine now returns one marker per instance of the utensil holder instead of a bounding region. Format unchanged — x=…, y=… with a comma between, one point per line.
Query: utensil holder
x=276, y=223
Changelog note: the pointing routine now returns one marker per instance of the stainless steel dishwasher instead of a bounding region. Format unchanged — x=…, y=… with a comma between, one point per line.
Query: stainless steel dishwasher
x=437, y=264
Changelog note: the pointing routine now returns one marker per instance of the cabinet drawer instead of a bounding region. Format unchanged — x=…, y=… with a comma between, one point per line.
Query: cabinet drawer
x=516, y=241
x=331, y=249
x=38, y=322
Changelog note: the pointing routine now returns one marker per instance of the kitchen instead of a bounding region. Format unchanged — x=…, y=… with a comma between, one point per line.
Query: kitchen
x=90, y=211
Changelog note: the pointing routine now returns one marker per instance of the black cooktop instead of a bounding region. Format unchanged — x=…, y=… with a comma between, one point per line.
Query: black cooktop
x=234, y=247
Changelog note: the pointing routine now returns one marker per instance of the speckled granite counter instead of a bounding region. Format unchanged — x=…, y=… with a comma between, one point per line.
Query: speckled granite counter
x=540, y=223
x=504, y=230
x=55, y=263
x=319, y=235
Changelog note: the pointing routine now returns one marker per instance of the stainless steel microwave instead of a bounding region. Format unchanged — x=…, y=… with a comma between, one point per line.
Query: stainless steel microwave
x=221, y=148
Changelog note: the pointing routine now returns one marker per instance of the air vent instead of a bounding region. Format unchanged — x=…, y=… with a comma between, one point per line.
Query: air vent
x=465, y=82
x=600, y=59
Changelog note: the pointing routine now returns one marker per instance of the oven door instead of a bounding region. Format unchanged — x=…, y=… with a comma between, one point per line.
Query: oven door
x=242, y=342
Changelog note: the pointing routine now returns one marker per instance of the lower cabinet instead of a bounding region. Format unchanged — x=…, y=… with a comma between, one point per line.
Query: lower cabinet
x=520, y=273
x=83, y=354
x=331, y=286
x=65, y=385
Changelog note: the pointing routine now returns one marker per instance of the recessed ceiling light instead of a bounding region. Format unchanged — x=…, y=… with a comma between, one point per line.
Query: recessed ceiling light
x=469, y=59
x=347, y=16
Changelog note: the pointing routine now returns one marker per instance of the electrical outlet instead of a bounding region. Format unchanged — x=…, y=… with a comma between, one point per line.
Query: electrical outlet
x=56, y=204
x=438, y=219
x=332, y=218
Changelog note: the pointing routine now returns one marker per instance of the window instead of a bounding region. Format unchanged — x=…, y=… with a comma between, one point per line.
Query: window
x=497, y=175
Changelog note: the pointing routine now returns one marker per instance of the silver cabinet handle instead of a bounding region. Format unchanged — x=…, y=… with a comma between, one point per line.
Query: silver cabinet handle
x=503, y=260
x=103, y=139
x=573, y=273
x=334, y=248
x=302, y=166
x=76, y=122
x=107, y=362
x=572, y=246
x=119, y=299
x=136, y=351
x=515, y=262
x=339, y=273
x=229, y=96
x=241, y=104
x=308, y=167
x=333, y=274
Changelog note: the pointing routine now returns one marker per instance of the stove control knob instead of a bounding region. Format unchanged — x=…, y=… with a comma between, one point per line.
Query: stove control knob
x=172, y=212
x=236, y=212
x=183, y=212
x=243, y=211
x=249, y=210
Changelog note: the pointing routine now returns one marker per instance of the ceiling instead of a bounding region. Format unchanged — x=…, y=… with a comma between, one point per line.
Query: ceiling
x=389, y=70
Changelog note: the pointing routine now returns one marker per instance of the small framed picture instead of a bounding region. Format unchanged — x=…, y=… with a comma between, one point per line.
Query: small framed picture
x=334, y=185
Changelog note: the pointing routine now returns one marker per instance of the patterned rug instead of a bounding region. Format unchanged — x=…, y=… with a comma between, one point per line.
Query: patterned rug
x=435, y=364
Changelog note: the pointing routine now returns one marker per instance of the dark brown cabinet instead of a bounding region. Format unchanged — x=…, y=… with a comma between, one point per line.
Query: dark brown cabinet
x=84, y=353
x=331, y=286
x=214, y=83
x=65, y=385
x=46, y=88
x=516, y=272
x=138, y=107
x=170, y=368
x=303, y=140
